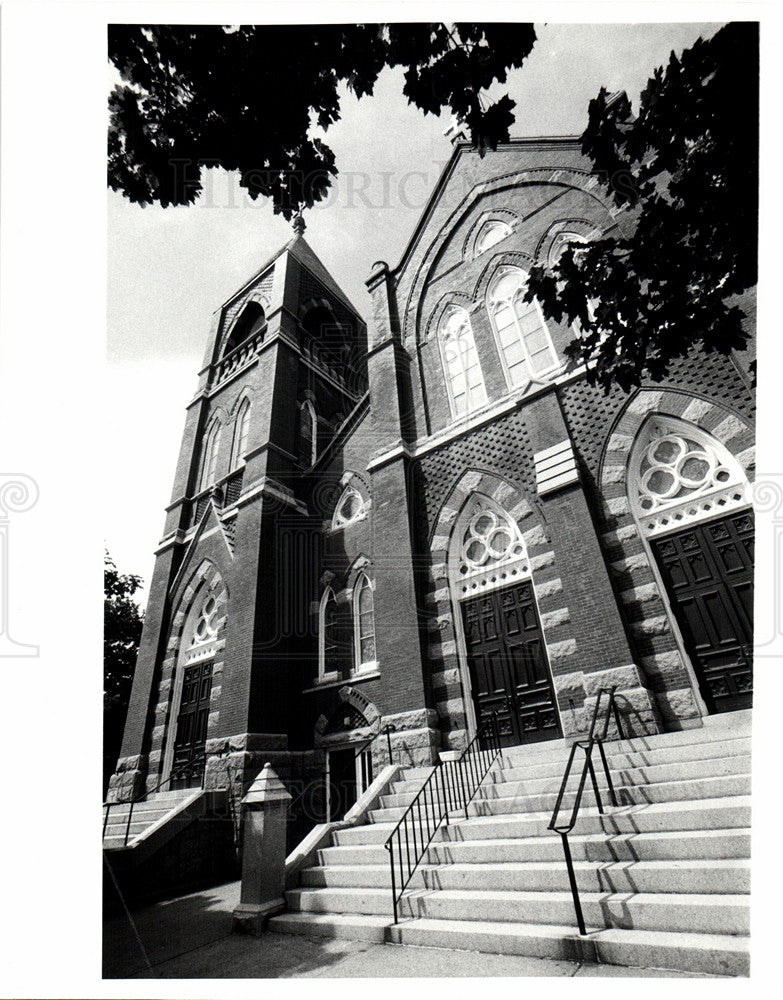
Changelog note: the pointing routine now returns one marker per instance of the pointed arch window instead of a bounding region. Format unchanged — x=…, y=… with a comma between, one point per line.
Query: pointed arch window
x=364, y=624
x=328, y=634
x=350, y=507
x=211, y=451
x=491, y=232
x=461, y=365
x=308, y=433
x=522, y=335
x=679, y=474
x=241, y=429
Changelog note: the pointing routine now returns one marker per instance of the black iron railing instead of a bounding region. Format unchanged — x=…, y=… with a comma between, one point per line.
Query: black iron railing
x=593, y=739
x=449, y=788
x=184, y=769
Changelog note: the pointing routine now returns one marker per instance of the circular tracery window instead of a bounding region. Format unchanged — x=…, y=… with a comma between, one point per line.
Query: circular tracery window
x=675, y=466
x=206, y=627
x=488, y=539
x=349, y=508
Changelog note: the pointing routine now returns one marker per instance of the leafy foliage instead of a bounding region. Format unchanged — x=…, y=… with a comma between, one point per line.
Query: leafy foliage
x=686, y=171
x=122, y=623
x=246, y=98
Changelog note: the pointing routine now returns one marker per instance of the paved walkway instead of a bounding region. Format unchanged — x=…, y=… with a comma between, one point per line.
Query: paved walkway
x=190, y=938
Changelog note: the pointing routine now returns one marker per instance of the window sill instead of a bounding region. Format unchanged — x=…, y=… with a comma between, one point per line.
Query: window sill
x=325, y=684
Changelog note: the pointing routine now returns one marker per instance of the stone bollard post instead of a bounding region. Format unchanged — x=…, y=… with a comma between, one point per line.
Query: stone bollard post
x=265, y=810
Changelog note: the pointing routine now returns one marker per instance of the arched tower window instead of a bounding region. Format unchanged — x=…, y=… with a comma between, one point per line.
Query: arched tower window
x=364, y=624
x=491, y=232
x=211, y=450
x=308, y=433
x=461, y=366
x=251, y=321
x=320, y=323
x=241, y=428
x=679, y=474
x=521, y=332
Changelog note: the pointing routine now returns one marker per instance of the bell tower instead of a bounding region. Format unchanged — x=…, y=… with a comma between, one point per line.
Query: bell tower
x=227, y=638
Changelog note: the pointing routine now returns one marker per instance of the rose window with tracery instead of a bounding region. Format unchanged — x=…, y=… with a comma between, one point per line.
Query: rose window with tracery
x=680, y=474
x=202, y=642
x=492, y=551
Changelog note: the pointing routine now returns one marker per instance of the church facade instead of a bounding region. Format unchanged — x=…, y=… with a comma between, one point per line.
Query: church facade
x=409, y=526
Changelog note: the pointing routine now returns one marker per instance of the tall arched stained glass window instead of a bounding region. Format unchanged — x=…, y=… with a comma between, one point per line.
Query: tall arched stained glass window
x=364, y=623
x=461, y=365
x=211, y=450
x=241, y=428
x=520, y=329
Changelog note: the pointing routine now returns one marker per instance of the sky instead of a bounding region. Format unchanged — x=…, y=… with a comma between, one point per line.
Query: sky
x=169, y=269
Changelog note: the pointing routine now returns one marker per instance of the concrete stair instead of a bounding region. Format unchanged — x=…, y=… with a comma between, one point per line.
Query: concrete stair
x=664, y=877
x=151, y=813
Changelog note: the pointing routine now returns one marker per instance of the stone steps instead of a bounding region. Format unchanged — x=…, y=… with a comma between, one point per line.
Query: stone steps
x=657, y=846
x=503, y=785
x=664, y=878
x=714, y=876
x=500, y=799
x=672, y=912
x=709, y=814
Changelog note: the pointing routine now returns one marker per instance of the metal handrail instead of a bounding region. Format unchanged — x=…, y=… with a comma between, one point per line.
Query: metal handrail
x=451, y=785
x=147, y=792
x=587, y=768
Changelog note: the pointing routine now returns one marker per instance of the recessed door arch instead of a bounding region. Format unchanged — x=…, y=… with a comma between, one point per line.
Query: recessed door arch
x=503, y=657
x=691, y=501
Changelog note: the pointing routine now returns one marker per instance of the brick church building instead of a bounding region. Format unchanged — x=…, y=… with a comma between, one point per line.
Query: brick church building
x=426, y=520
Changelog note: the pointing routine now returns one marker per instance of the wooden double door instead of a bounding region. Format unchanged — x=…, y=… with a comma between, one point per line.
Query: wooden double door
x=508, y=665
x=191, y=736
x=708, y=573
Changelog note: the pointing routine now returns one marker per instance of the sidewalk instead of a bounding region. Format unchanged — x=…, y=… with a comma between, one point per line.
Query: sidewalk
x=190, y=938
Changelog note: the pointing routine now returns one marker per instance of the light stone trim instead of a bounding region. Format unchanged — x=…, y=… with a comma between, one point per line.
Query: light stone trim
x=618, y=505
x=729, y=428
x=657, y=625
x=623, y=678
x=452, y=706
x=559, y=650
x=548, y=587
x=521, y=510
x=613, y=474
x=503, y=493
x=747, y=457
x=542, y=561
x=551, y=619
x=697, y=410
x=620, y=442
x=535, y=536
x=619, y=535
x=627, y=565
x=570, y=684
x=644, y=402
x=641, y=595
x=445, y=678
x=662, y=661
